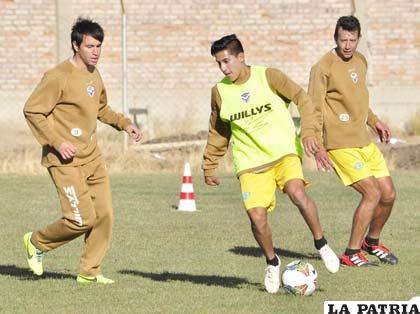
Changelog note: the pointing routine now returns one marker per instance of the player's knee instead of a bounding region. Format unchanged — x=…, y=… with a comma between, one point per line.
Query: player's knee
x=104, y=216
x=388, y=197
x=298, y=197
x=89, y=222
x=258, y=220
x=372, y=195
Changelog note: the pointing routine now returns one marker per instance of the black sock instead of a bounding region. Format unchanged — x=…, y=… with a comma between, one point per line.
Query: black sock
x=371, y=241
x=320, y=243
x=274, y=261
x=349, y=252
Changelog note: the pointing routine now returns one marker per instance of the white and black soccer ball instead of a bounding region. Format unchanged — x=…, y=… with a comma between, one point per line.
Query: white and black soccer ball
x=299, y=278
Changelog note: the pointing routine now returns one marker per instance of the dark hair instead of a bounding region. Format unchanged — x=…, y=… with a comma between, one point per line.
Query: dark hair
x=349, y=23
x=85, y=27
x=229, y=42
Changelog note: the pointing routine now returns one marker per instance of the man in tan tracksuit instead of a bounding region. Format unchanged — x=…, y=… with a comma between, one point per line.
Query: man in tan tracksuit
x=62, y=113
x=339, y=93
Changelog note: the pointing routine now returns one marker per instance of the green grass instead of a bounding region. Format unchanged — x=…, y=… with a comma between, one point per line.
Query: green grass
x=166, y=261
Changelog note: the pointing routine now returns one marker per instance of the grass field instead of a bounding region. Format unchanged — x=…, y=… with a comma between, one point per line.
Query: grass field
x=207, y=261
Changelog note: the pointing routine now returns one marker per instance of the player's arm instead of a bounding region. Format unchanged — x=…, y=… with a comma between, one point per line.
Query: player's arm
x=289, y=90
x=39, y=106
x=379, y=127
x=317, y=90
x=217, y=142
x=117, y=120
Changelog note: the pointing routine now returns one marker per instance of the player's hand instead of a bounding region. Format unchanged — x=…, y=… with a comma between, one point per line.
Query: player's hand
x=323, y=162
x=311, y=146
x=67, y=150
x=212, y=180
x=134, y=132
x=383, y=131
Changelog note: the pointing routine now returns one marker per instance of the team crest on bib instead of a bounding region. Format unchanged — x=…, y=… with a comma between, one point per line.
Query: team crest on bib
x=245, y=97
x=344, y=117
x=90, y=90
x=354, y=77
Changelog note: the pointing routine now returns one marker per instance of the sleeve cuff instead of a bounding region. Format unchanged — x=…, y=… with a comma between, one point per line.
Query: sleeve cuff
x=372, y=122
x=56, y=143
x=209, y=172
x=307, y=133
x=125, y=123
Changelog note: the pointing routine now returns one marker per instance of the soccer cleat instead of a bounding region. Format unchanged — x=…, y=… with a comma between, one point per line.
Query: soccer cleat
x=330, y=259
x=272, y=277
x=33, y=255
x=358, y=259
x=94, y=279
x=381, y=252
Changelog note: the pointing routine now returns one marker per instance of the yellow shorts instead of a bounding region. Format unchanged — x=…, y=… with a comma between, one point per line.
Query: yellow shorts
x=259, y=188
x=355, y=164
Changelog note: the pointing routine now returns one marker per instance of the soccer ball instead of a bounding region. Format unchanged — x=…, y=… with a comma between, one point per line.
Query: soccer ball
x=299, y=278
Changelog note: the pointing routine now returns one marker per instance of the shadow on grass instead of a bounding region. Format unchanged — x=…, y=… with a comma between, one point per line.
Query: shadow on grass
x=26, y=274
x=210, y=280
x=257, y=252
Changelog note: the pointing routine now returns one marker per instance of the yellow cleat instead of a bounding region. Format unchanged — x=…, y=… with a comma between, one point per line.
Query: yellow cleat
x=94, y=279
x=33, y=255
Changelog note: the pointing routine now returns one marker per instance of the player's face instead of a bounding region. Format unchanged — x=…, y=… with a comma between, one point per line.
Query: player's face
x=229, y=64
x=346, y=43
x=89, y=50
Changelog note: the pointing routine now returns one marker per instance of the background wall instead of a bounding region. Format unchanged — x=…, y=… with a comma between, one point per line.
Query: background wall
x=170, y=70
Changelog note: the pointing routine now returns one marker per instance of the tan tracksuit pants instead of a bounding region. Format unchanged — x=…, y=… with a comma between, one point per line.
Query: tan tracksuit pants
x=86, y=204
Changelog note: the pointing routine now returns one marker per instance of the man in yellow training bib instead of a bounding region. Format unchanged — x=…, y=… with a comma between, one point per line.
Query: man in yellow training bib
x=339, y=93
x=250, y=106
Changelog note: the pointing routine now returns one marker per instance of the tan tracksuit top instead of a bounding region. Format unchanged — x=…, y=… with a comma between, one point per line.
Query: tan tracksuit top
x=339, y=93
x=64, y=107
x=220, y=133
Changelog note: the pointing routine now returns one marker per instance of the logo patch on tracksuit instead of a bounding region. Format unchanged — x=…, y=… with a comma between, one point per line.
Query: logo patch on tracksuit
x=74, y=203
x=76, y=132
x=344, y=117
x=90, y=90
x=354, y=77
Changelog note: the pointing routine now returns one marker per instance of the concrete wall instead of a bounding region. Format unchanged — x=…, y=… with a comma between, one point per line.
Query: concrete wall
x=170, y=68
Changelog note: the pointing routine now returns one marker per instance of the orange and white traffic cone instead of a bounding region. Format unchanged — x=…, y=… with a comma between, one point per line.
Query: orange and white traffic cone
x=186, y=198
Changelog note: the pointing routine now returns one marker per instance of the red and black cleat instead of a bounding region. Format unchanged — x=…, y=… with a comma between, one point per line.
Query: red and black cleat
x=358, y=259
x=381, y=252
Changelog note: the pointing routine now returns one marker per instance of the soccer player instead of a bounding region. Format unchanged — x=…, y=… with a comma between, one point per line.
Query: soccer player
x=339, y=93
x=62, y=113
x=250, y=105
